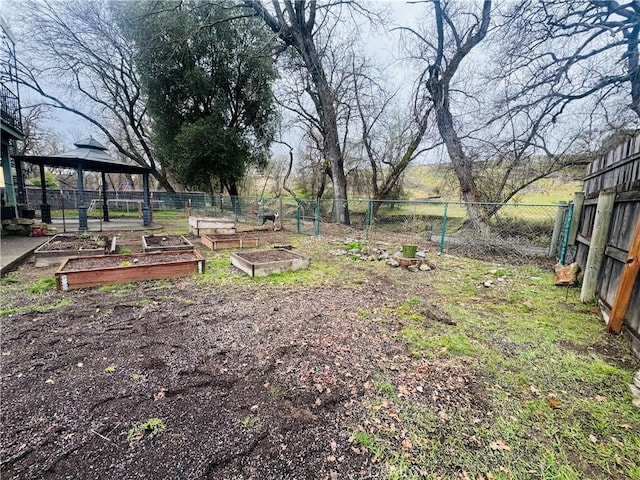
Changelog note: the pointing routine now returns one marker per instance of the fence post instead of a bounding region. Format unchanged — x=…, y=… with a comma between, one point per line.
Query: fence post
x=597, y=245
x=444, y=228
x=367, y=220
x=557, y=229
x=568, y=218
x=317, y=217
x=298, y=223
x=578, y=202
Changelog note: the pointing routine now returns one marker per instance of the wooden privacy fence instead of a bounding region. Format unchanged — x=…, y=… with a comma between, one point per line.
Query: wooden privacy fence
x=607, y=236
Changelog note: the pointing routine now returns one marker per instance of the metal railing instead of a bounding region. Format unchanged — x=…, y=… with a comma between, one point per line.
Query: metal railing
x=10, y=108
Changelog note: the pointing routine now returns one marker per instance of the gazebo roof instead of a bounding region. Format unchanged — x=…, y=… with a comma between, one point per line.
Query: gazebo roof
x=90, y=154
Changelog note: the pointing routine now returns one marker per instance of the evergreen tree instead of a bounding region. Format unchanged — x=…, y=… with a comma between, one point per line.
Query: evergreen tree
x=209, y=80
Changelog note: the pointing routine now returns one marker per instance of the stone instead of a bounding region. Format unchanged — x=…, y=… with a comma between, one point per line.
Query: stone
x=488, y=284
x=421, y=254
x=391, y=262
x=566, y=274
x=413, y=268
x=425, y=267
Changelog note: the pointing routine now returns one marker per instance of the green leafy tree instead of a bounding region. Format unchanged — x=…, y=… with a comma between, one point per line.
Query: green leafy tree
x=208, y=77
x=49, y=180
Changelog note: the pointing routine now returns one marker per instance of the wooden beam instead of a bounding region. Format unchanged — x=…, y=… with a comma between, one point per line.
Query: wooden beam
x=599, y=237
x=627, y=282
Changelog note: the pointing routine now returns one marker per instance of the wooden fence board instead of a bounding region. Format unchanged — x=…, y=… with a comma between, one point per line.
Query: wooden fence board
x=616, y=171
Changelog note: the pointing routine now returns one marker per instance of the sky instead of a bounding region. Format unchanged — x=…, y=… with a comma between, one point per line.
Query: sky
x=71, y=128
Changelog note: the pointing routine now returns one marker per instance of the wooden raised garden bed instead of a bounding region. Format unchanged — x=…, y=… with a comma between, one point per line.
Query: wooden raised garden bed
x=211, y=226
x=265, y=262
x=63, y=246
x=219, y=243
x=165, y=243
x=82, y=272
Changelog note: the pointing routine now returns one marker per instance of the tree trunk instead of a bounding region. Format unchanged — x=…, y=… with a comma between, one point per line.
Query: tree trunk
x=461, y=164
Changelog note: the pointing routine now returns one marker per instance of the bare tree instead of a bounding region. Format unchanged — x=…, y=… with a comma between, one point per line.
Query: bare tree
x=456, y=35
x=307, y=26
x=79, y=62
x=568, y=50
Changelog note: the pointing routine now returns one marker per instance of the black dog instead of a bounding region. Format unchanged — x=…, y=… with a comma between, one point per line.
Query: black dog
x=266, y=218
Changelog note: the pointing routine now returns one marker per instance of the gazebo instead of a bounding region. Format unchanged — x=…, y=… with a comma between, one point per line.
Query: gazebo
x=89, y=155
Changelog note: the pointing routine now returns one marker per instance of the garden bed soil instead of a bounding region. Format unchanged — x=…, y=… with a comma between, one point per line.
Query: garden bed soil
x=165, y=243
x=265, y=262
x=82, y=272
x=60, y=247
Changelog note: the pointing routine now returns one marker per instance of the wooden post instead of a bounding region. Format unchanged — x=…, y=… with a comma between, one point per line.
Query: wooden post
x=597, y=245
x=557, y=228
x=626, y=284
x=578, y=202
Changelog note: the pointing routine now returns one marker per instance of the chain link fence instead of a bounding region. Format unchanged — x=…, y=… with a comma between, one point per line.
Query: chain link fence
x=511, y=229
x=476, y=229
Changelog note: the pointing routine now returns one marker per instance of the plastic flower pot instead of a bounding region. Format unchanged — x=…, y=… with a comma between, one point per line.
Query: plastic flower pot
x=409, y=251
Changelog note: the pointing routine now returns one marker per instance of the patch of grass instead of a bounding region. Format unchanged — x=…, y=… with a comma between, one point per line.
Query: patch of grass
x=149, y=428
x=126, y=263
x=249, y=421
x=385, y=387
x=116, y=288
x=546, y=403
x=42, y=285
x=110, y=369
x=419, y=339
x=137, y=377
x=9, y=281
x=354, y=246
x=126, y=251
x=35, y=308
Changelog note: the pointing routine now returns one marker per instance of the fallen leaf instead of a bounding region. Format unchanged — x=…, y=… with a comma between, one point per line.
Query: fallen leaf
x=318, y=401
x=499, y=445
x=49, y=380
x=406, y=444
x=626, y=426
x=403, y=391
x=593, y=438
x=331, y=458
x=554, y=403
x=333, y=445
x=600, y=398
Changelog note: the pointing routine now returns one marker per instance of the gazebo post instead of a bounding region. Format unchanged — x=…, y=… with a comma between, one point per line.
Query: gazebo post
x=82, y=208
x=146, y=210
x=20, y=200
x=105, y=205
x=45, y=209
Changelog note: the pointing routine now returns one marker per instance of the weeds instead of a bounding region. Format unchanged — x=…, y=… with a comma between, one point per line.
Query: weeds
x=249, y=421
x=150, y=428
x=42, y=285
x=35, y=308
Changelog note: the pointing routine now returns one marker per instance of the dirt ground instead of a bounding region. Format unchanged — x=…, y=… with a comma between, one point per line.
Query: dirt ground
x=253, y=381
x=258, y=379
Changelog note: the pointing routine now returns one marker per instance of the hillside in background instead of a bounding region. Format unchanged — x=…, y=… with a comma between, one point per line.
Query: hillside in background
x=429, y=181
x=425, y=181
